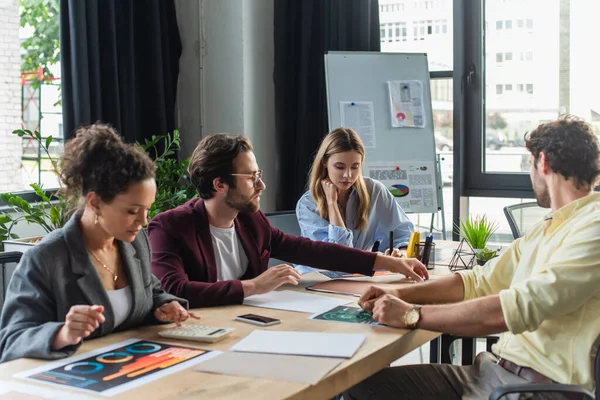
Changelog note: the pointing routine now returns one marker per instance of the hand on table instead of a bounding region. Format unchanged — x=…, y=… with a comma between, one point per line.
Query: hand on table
x=390, y=310
x=271, y=279
x=173, y=312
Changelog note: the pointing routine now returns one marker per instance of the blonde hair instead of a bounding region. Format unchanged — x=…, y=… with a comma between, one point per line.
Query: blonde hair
x=339, y=141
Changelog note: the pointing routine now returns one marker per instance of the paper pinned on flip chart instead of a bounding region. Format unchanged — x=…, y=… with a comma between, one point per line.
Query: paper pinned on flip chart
x=359, y=115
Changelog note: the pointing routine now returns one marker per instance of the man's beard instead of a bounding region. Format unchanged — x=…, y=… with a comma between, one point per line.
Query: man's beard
x=241, y=203
x=542, y=195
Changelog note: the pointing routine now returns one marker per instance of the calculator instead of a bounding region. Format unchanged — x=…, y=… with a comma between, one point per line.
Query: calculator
x=199, y=333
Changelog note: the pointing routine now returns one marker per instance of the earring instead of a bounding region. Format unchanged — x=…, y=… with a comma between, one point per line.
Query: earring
x=96, y=219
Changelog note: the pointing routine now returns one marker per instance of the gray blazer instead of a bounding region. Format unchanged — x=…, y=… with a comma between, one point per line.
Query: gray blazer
x=57, y=274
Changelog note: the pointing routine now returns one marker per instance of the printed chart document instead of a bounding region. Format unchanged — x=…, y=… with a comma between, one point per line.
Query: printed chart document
x=406, y=104
x=342, y=345
x=412, y=183
x=359, y=115
x=271, y=366
x=120, y=367
x=352, y=315
x=294, y=301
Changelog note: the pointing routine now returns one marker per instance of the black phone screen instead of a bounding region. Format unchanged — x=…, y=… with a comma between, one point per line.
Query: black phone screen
x=258, y=318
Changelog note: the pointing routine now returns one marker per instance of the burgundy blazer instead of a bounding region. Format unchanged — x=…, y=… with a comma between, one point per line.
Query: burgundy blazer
x=183, y=257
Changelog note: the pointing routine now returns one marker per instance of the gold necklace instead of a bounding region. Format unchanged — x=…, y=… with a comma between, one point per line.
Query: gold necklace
x=104, y=266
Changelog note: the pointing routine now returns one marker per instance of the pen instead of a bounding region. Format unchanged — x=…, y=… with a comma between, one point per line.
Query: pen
x=215, y=332
x=376, y=246
x=391, y=242
x=427, y=250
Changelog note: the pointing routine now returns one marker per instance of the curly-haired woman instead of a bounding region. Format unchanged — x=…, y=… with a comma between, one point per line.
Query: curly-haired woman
x=92, y=276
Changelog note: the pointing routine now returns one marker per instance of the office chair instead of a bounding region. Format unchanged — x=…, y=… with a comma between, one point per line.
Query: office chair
x=286, y=222
x=501, y=391
x=8, y=259
x=523, y=216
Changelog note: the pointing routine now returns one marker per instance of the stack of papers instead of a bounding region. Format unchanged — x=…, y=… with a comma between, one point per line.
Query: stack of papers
x=285, y=355
x=320, y=344
x=271, y=366
x=294, y=301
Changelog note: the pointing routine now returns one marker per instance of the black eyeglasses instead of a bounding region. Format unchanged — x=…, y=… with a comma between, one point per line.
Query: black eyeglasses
x=256, y=176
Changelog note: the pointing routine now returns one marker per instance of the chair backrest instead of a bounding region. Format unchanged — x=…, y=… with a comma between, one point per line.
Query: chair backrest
x=523, y=216
x=597, y=371
x=8, y=263
x=285, y=221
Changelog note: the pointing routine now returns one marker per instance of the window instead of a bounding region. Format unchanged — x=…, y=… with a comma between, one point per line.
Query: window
x=557, y=79
x=31, y=55
x=499, y=57
x=529, y=56
x=507, y=56
x=508, y=24
x=529, y=23
x=529, y=88
x=430, y=31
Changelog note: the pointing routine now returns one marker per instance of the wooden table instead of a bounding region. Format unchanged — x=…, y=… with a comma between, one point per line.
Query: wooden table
x=382, y=346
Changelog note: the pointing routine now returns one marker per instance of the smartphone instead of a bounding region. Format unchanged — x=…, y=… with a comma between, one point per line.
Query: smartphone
x=257, y=319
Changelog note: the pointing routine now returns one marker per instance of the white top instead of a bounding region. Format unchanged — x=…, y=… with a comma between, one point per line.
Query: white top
x=122, y=303
x=229, y=254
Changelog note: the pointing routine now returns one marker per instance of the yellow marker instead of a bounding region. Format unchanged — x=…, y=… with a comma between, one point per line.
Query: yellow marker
x=410, y=250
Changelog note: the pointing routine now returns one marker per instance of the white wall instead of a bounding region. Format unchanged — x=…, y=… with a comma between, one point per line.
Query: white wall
x=10, y=96
x=226, y=76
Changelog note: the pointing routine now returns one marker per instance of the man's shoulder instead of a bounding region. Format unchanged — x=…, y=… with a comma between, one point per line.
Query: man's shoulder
x=176, y=218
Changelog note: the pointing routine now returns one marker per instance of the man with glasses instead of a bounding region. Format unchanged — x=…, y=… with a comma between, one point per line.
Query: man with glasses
x=215, y=250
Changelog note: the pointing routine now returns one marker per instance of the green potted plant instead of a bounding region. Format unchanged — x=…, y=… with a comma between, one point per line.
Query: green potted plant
x=477, y=231
x=51, y=212
x=172, y=179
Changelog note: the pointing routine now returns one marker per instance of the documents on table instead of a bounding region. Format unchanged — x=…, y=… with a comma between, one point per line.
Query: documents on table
x=271, y=366
x=119, y=367
x=320, y=344
x=294, y=301
x=21, y=391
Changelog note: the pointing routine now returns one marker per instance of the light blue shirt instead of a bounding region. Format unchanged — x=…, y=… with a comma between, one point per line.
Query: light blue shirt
x=385, y=215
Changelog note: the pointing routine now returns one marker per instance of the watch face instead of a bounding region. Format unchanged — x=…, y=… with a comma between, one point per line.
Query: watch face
x=412, y=317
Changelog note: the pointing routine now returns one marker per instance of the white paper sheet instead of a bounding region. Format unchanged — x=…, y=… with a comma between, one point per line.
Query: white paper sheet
x=359, y=115
x=320, y=344
x=20, y=391
x=271, y=366
x=136, y=375
x=411, y=182
x=294, y=301
x=406, y=104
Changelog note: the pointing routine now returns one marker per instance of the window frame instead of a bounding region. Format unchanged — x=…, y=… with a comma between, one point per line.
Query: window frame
x=470, y=179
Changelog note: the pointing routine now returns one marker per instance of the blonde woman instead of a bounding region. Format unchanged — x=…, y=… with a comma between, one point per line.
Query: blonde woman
x=341, y=206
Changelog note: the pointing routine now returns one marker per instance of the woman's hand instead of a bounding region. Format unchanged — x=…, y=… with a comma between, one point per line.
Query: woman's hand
x=80, y=322
x=410, y=267
x=331, y=191
x=173, y=312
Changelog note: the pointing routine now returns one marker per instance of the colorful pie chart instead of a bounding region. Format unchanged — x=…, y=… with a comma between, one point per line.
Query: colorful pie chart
x=399, y=190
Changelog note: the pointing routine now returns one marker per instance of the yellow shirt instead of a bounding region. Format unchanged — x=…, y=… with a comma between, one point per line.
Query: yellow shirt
x=549, y=287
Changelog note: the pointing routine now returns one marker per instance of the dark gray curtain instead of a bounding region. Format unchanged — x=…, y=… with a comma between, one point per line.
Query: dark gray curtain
x=120, y=63
x=304, y=31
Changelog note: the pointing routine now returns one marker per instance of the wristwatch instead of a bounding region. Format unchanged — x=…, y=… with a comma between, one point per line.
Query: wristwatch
x=412, y=317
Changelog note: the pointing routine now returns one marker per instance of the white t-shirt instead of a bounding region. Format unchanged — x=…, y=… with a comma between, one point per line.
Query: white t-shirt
x=229, y=253
x=122, y=303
